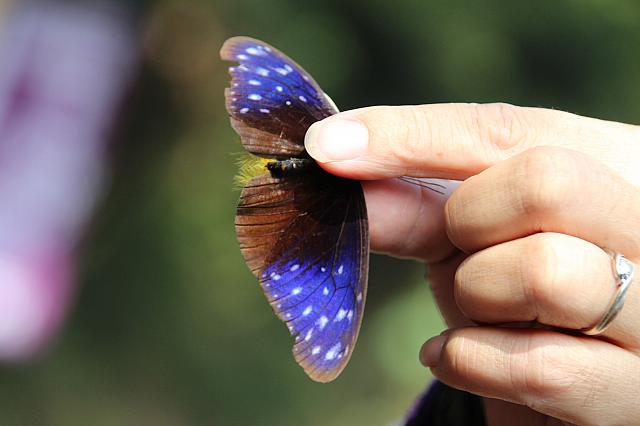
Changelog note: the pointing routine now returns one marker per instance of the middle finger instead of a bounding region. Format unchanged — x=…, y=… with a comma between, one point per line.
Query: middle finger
x=546, y=190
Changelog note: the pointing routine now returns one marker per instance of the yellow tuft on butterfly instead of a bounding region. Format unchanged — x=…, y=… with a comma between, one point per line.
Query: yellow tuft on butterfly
x=249, y=167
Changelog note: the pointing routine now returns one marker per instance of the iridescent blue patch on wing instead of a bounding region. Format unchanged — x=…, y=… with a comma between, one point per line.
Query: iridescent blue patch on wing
x=266, y=78
x=321, y=301
x=272, y=100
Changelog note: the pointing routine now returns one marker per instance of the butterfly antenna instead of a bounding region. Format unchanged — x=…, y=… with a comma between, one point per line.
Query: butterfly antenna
x=436, y=187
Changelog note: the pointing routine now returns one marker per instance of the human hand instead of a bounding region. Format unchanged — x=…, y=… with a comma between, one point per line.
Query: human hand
x=519, y=241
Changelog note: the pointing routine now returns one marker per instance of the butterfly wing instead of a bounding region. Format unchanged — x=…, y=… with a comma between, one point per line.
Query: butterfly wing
x=303, y=234
x=306, y=238
x=272, y=101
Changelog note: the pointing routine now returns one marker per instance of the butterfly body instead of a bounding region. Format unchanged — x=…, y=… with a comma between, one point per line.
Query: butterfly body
x=292, y=165
x=302, y=231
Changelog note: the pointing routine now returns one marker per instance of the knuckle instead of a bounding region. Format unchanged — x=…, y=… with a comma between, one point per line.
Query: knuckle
x=551, y=370
x=503, y=125
x=408, y=135
x=546, y=180
x=538, y=272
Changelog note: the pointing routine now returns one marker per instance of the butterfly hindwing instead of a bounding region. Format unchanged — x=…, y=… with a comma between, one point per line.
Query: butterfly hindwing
x=272, y=101
x=306, y=238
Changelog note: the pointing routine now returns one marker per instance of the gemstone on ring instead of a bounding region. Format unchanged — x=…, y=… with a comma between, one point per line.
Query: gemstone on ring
x=624, y=268
x=624, y=271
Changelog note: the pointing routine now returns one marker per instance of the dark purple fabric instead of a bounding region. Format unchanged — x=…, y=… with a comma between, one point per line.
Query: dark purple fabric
x=442, y=405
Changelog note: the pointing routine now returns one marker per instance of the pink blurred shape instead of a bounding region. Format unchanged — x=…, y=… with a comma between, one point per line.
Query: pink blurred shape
x=64, y=68
x=35, y=293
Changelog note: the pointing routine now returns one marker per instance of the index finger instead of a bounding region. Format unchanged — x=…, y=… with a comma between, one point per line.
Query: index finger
x=455, y=141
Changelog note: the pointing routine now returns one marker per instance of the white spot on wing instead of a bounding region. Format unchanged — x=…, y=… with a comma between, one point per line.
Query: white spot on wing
x=264, y=110
x=340, y=269
x=359, y=297
x=294, y=267
x=350, y=315
x=325, y=291
x=255, y=51
x=244, y=110
x=276, y=277
x=279, y=88
x=296, y=290
x=254, y=97
x=288, y=103
x=242, y=57
x=341, y=314
x=308, y=335
x=331, y=353
x=307, y=310
x=254, y=82
x=323, y=269
x=315, y=350
x=322, y=321
x=263, y=72
x=288, y=68
x=302, y=98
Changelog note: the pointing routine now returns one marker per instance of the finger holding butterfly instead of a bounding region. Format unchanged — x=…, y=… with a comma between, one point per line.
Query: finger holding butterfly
x=456, y=141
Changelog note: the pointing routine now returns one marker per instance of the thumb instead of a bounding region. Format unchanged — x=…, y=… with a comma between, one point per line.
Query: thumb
x=455, y=141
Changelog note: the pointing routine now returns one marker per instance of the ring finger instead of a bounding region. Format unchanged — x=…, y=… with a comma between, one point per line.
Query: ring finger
x=554, y=279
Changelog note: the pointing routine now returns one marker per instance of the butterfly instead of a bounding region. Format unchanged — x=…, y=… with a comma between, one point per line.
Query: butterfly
x=302, y=231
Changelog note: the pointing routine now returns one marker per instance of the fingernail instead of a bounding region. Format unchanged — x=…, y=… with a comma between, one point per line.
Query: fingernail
x=336, y=140
x=430, y=351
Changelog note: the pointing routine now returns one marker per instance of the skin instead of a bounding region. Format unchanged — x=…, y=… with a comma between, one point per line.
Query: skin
x=517, y=241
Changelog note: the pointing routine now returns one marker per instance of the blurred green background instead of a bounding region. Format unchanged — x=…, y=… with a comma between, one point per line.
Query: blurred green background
x=169, y=326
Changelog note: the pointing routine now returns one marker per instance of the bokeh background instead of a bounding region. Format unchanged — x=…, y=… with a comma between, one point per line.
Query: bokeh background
x=168, y=327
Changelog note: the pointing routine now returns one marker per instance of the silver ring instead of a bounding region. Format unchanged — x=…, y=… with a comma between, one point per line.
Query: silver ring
x=624, y=271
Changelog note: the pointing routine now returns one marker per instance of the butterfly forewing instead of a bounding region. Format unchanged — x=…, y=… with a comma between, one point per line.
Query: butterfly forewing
x=272, y=101
x=306, y=238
